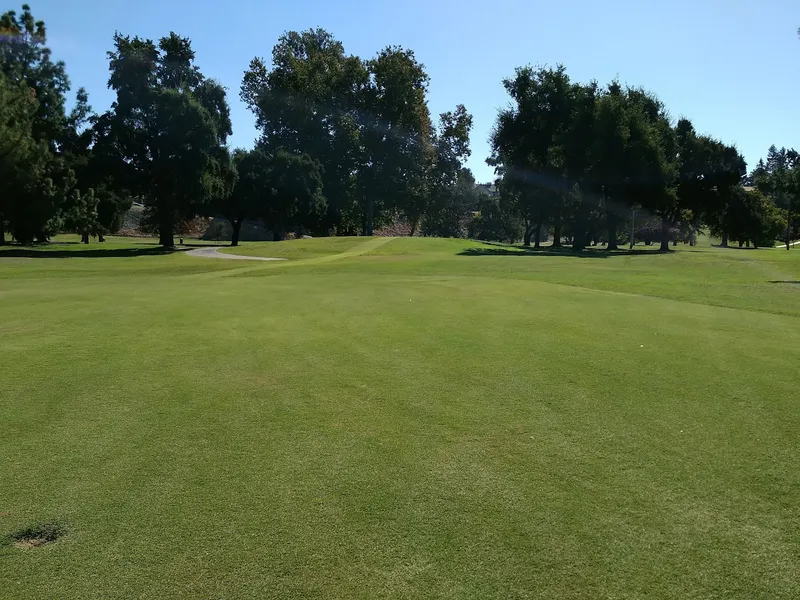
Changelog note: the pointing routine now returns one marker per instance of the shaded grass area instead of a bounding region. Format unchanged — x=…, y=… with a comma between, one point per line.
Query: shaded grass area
x=409, y=423
x=122, y=256
x=72, y=243
x=499, y=250
x=59, y=251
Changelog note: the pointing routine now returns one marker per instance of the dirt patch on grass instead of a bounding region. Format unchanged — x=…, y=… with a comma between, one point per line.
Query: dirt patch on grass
x=37, y=535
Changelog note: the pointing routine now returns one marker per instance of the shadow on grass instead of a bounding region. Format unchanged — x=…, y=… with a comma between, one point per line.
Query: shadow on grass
x=789, y=282
x=744, y=248
x=88, y=253
x=500, y=250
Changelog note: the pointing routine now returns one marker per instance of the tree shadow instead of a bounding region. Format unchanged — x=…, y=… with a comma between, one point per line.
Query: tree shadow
x=500, y=250
x=88, y=253
x=743, y=248
x=789, y=282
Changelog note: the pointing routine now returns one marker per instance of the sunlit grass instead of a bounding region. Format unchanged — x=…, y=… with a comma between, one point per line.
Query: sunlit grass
x=432, y=418
x=297, y=249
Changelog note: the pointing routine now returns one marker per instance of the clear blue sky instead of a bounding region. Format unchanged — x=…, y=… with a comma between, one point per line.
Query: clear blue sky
x=732, y=66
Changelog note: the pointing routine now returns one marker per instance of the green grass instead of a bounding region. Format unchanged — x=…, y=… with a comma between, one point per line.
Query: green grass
x=406, y=418
x=297, y=249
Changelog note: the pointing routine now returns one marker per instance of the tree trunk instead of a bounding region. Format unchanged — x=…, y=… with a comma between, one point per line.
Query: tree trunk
x=537, y=234
x=664, y=236
x=100, y=237
x=165, y=239
x=2, y=232
x=237, y=227
x=741, y=243
x=724, y=243
x=84, y=238
x=526, y=241
x=166, y=225
x=611, y=220
x=675, y=242
x=579, y=240
x=368, y=220
x=747, y=243
x=557, y=231
x=580, y=237
x=414, y=224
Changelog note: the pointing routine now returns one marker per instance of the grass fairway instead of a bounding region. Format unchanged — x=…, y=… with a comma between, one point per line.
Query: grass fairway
x=406, y=418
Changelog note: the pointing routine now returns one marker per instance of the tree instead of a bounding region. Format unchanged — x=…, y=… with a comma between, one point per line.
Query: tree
x=295, y=193
x=103, y=173
x=625, y=157
x=522, y=197
x=366, y=122
x=451, y=187
x=453, y=208
x=312, y=102
x=614, y=156
x=779, y=178
x=451, y=143
x=492, y=223
x=711, y=174
x=232, y=197
x=528, y=142
x=396, y=138
x=582, y=157
x=20, y=154
x=94, y=167
x=578, y=201
x=28, y=198
x=284, y=190
x=24, y=56
x=166, y=126
x=752, y=217
x=451, y=146
x=38, y=86
x=547, y=150
x=82, y=215
x=657, y=151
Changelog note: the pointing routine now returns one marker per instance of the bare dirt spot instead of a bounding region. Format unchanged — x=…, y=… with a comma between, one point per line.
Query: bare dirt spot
x=37, y=535
x=31, y=542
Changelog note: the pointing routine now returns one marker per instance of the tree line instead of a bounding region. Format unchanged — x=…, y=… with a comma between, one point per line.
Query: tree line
x=347, y=145
x=586, y=158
